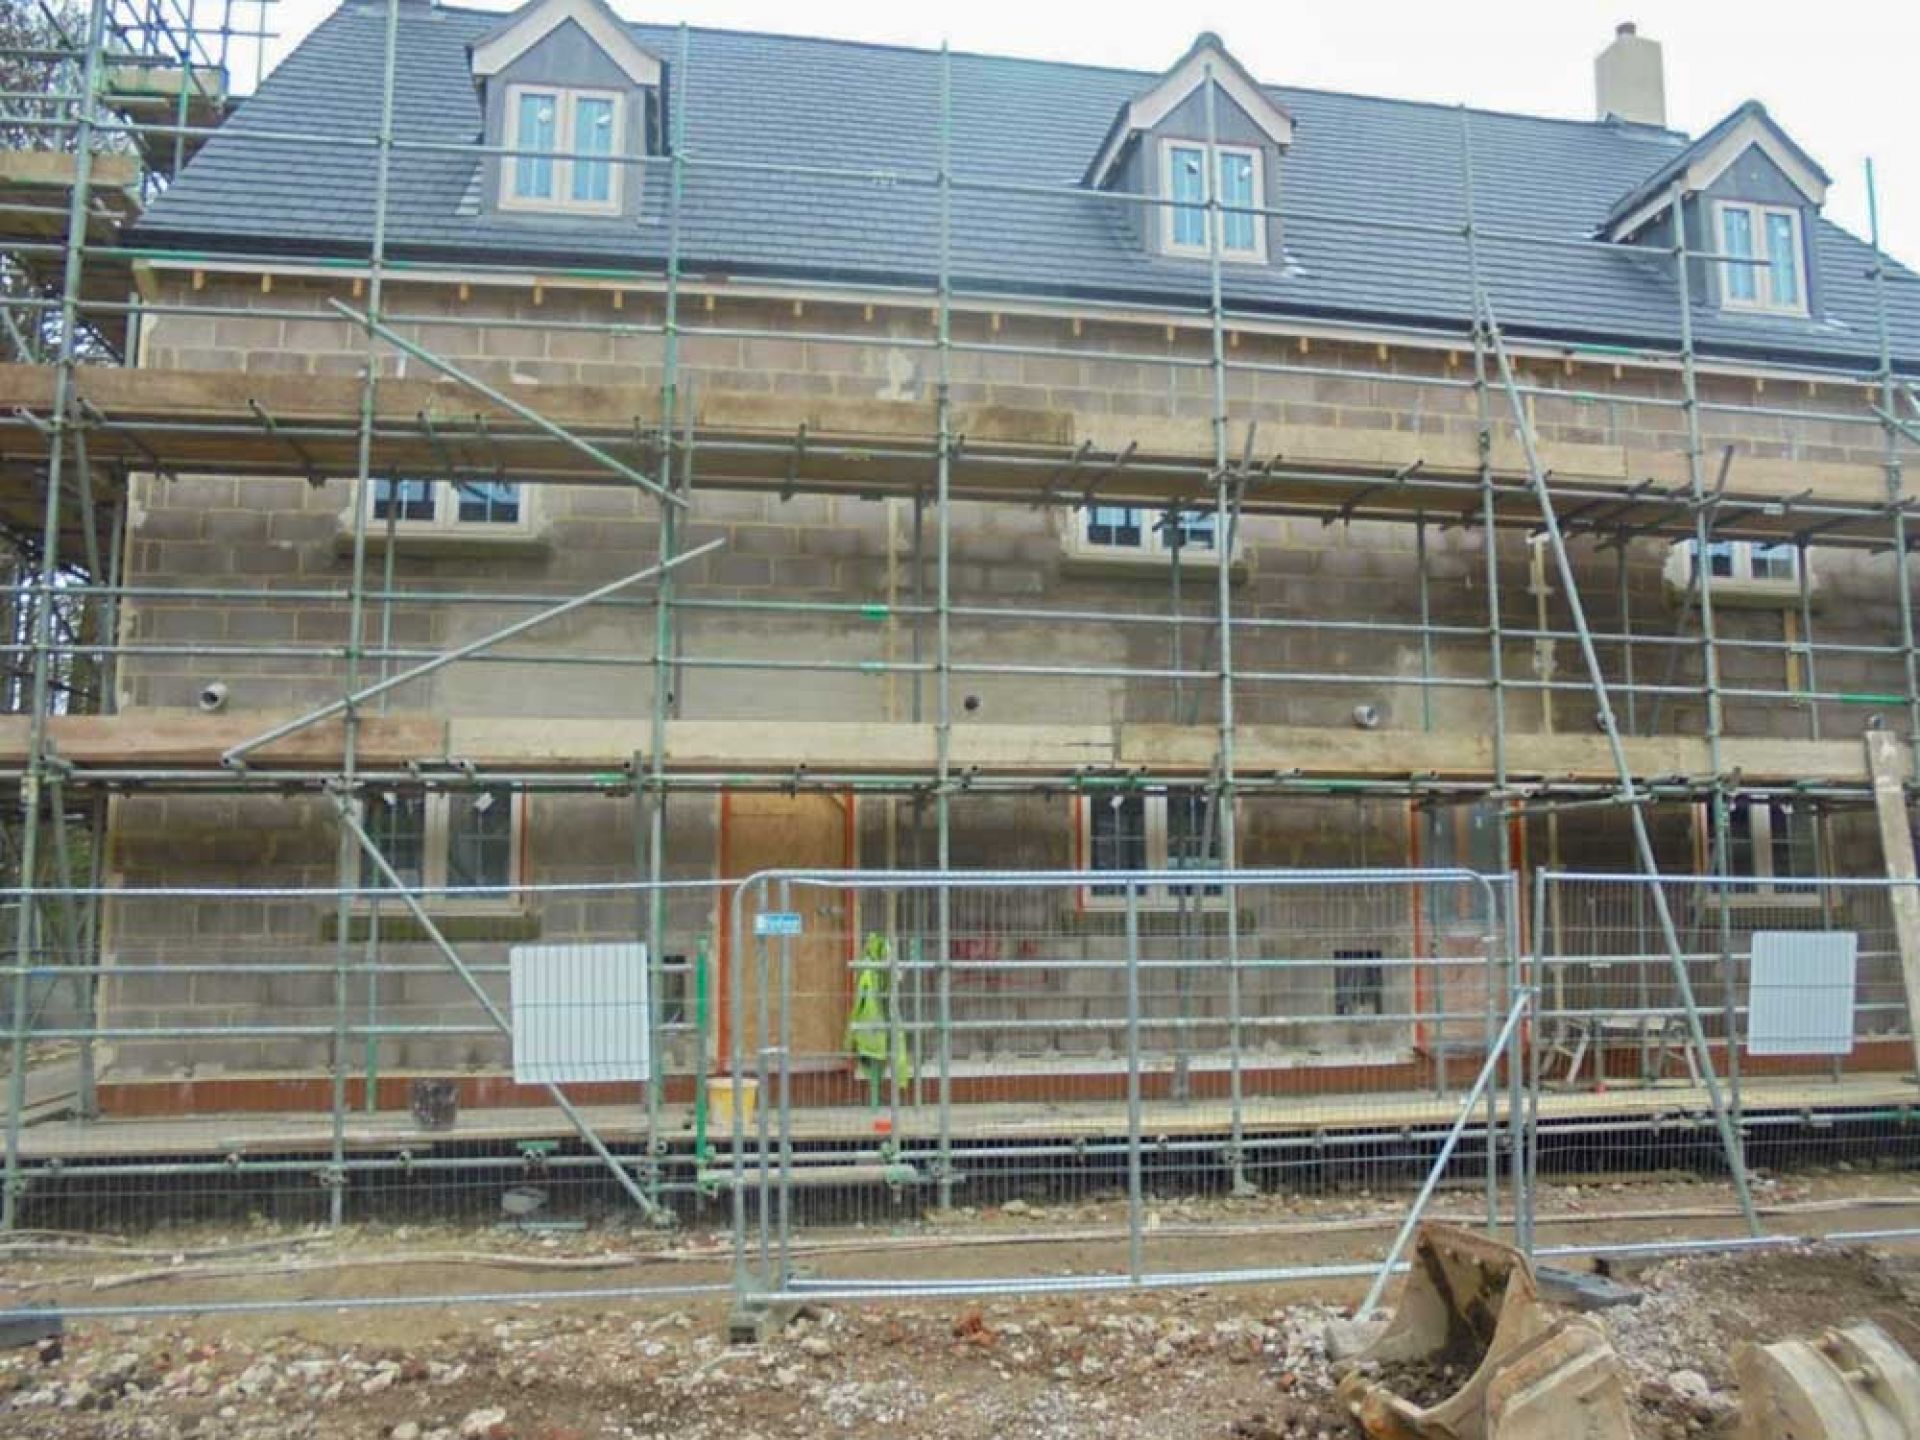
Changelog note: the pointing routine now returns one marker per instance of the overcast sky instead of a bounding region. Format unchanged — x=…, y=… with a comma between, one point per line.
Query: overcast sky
x=1842, y=81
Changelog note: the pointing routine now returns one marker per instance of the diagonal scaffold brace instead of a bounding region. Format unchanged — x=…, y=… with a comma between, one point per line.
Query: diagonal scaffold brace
x=506, y=402
x=371, y=848
x=1629, y=794
x=238, y=753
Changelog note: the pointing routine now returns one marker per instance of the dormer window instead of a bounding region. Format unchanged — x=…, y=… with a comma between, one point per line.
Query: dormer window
x=1764, y=257
x=571, y=102
x=1154, y=152
x=558, y=133
x=1748, y=195
x=1184, y=172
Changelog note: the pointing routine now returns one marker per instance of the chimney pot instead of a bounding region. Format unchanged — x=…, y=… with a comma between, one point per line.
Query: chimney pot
x=1629, y=81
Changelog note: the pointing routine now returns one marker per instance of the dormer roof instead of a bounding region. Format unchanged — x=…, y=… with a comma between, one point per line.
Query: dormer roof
x=1705, y=160
x=537, y=19
x=1146, y=110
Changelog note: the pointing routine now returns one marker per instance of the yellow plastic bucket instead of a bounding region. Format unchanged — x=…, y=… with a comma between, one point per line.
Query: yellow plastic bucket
x=720, y=1101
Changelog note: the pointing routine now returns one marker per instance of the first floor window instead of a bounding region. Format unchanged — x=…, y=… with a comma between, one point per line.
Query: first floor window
x=1773, y=562
x=486, y=502
x=1763, y=563
x=448, y=504
x=1134, y=529
x=1193, y=529
x=1119, y=527
x=437, y=841
x=565, y=140
x=1148, y=830
x=1763, y=257
x=403, y=499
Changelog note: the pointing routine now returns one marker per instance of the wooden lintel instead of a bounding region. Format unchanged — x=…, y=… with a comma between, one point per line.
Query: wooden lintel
x=186, y=739
x=200, y=421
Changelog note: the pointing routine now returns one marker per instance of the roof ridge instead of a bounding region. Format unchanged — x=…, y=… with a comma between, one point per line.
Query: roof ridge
x=1612, y=126
x=902, y=47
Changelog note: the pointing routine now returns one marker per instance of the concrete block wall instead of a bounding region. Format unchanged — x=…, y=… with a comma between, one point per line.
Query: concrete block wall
x=282, y=535
x=217, y=964
x=1057, y=956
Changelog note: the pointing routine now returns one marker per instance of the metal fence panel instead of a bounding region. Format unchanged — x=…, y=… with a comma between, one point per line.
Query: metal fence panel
x=1028, y=1080
x=1801, y=1003
x=239, y=1063
x=1071, y=1060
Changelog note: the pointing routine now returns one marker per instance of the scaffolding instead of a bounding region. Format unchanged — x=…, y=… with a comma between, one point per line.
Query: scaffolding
x=142, y=86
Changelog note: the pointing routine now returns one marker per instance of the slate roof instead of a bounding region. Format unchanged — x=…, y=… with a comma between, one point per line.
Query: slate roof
x=873, y=111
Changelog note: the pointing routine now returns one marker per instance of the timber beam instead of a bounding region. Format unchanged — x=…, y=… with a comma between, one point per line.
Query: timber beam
x=211, y=422
x=186, y=740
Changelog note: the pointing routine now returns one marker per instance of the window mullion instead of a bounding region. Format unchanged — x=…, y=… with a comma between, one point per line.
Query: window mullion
x=1157, y=857
x=516, y=821
x=433, y=863
x=1764, y=243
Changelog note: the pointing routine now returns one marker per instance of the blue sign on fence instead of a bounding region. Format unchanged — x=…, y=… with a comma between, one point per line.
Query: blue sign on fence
x=776, y=922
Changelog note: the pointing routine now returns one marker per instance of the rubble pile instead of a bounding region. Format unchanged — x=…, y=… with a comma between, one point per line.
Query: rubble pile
x=1165, y=1365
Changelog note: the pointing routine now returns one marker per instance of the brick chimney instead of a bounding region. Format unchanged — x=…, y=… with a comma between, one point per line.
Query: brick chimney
x=1629, y=81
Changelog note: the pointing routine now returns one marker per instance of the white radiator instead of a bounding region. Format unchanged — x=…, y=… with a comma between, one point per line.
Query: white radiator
x=580, y=1013
x=1800, y=992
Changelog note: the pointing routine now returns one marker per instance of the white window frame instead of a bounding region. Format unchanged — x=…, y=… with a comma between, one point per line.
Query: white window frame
x=566, y=100
x=1762, y=301
x=1150, y=897
x=1743, y=583
x=1155, y=547
x=446, y=510
x=1258, y=253
x=1760, y=820
x=436, y=848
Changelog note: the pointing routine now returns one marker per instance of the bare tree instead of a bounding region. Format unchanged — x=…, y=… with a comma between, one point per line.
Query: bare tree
x=40, y=70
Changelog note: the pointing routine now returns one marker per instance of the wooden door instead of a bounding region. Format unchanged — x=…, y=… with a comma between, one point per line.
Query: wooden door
x=760, y=831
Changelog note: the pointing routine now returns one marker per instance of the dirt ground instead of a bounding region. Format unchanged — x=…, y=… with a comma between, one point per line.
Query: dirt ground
x=1236, y=1362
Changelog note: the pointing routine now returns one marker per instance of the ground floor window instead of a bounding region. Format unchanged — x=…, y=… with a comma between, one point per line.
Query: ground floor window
x=438, y=841
x=1359, y=983
x=1771, y=840
x=1148, y=830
